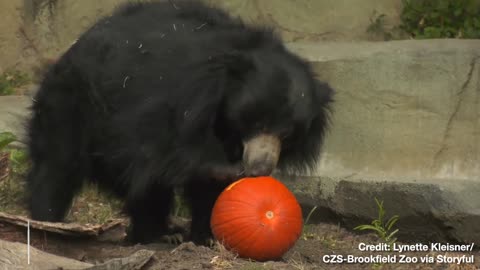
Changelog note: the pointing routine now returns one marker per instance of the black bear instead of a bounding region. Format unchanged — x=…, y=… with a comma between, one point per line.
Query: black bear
x=170, y=94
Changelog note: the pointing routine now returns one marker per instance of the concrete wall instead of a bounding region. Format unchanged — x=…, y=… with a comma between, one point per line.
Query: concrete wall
x=404, y=108
x=32, y=30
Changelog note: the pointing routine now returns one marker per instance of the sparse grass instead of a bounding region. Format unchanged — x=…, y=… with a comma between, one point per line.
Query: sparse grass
x=225, y=253
x=254, y=266
x=12, y=195
x=180, y=206
x=298, y=263
x=383, y=229
x=12, y=79
x=328, y=241
x=307, y=232
x=18, y=161
x=225, y=259
x=92, y=206
x=218, y=262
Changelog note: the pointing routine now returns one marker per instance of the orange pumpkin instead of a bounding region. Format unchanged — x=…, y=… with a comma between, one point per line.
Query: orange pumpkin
x=258, y=218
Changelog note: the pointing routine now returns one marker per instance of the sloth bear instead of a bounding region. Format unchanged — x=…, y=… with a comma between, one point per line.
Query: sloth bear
x=163, y=95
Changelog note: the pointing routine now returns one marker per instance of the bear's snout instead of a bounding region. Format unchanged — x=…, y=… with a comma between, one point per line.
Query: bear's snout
x=261, y=154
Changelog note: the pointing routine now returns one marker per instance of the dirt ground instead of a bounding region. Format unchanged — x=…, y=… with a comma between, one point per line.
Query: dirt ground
x=321, y=239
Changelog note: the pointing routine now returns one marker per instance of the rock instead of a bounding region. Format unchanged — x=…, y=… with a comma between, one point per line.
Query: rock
x=15, y=256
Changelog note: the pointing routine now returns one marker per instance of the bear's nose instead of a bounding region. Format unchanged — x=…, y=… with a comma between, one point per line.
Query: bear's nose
x=261, y=154
x=260, y=169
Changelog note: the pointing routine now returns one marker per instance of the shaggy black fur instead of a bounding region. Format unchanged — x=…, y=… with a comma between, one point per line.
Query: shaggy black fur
x=160, y=95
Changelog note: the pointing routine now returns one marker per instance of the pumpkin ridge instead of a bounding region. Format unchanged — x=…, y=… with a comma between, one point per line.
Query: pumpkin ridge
x=254, y=233
x=235, y=234
x=286, y=207
x=262, y=242
x=247, y=191
x=248, y=203
x=248, y=219
x=285, y=199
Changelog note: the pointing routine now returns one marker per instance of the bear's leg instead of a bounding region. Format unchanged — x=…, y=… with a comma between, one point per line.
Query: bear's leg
x=58, y=151
x=149, y=215
x=52, y=187
x=202, y=196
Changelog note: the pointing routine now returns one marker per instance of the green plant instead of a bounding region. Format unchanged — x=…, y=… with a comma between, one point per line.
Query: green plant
x=180, y=206
x=379, y=226
x=441, y=18
x=378, y=26
x=11, y=187
x=19, y=161
x=18, y=157
x=307, y=232
x=6, y=138
x=94, y=206
x=10, y=80
x=12, y=195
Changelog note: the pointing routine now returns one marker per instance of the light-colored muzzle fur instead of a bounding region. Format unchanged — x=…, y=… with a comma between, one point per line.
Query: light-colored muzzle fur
x=261, y=154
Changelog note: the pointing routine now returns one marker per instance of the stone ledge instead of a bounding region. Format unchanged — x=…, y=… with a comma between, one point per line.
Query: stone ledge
x=429, y=209
x=340, y=50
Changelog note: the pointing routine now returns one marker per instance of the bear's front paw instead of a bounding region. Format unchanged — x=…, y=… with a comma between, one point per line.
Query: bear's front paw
x=228, y=172
x=172, y=239
x=204, y=239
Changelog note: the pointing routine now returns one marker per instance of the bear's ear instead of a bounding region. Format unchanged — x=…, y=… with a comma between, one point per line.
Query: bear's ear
x=323, y=95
